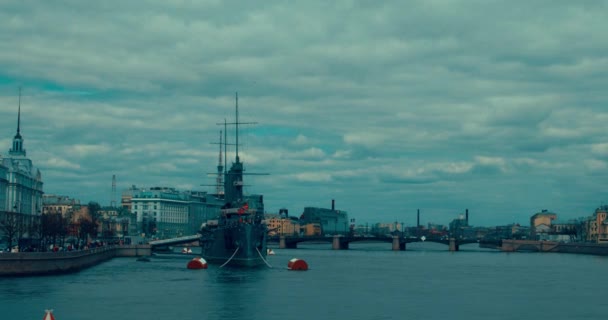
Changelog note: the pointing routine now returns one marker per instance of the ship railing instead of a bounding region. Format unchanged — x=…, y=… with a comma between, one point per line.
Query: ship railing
x=236, y=211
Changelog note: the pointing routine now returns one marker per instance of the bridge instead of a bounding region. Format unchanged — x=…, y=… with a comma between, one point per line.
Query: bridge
x=174, y=241
x=340, y=242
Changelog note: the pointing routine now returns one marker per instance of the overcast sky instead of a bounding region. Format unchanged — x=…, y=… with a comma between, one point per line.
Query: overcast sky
x=385, y=106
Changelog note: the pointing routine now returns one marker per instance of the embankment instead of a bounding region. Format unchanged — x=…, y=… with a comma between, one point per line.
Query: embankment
x=552, y=246
x=43, y=263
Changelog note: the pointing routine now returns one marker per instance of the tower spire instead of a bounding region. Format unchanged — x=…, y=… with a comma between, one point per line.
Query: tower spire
x=19, y=115
x=17, y=149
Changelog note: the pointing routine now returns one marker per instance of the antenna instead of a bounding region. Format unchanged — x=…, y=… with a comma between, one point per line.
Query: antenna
x=113, y=204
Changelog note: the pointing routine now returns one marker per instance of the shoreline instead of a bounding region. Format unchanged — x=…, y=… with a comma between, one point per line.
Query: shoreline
x=48, y=263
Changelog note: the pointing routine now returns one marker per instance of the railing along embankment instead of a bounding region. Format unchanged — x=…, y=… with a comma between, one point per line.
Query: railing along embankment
x=42, y=263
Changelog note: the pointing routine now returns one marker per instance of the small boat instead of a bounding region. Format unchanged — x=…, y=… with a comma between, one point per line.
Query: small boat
x=270, y=252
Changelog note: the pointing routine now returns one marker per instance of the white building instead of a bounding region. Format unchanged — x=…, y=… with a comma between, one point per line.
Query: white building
x=20, y=191
x=168, y=213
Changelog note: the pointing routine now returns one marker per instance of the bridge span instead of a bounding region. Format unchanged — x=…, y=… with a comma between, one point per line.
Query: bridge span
x=340, y=242
x=174, y=241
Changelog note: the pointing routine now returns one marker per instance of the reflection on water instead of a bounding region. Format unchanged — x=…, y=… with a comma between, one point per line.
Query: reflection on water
x=367, y=282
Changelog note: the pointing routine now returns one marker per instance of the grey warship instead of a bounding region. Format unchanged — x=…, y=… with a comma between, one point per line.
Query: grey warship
x=238, y=237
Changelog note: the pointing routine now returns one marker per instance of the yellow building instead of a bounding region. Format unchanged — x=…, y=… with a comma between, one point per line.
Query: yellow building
x=279, y=225
x=311, y=229
x=597, y=226
x=540, y=223
x=52, y=204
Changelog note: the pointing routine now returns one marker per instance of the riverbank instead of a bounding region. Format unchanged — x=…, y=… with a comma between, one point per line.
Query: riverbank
x=44, y=263
x=553, y=246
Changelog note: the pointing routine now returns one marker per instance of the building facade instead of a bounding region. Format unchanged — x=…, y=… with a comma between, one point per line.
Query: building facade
x=540, y=224
x=163, y=212
x=331, y=221
x=59, y=204
x=20, y=193
x=280, y=225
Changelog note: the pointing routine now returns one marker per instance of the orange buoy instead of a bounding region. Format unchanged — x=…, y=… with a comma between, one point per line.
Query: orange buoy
x=297, y=264
x=48, y=315
x=197, y=263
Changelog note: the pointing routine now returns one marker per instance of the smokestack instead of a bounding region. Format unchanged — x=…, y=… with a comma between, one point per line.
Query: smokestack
x=418, y=219
x=333, y=204
x=467, y=215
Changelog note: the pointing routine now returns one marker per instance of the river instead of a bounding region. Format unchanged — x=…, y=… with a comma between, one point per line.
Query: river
x=369, y=281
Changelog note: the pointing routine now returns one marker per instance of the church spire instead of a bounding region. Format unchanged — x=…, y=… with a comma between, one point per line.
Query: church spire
x=17, y=149
x=19, y=117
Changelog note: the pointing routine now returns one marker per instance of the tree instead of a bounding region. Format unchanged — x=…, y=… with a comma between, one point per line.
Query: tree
x=10, y=227
x=94, y=209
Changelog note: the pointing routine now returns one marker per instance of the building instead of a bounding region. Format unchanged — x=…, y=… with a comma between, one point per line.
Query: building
x=459, y=228
x=59, y=204
x=163, y=212
x=126, y=196
x=540, y=224
x=385, y=229
x=279, y=224
x=596, y=226
x=332, y=221
x=311, y=229
x=20, y=192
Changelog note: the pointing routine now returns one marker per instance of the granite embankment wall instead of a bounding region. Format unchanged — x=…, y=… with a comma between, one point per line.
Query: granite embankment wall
x=552, y=246
x=40, y=263
x=585, y=248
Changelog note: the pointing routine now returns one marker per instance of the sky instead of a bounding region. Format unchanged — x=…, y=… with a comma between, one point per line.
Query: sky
x=497, y=107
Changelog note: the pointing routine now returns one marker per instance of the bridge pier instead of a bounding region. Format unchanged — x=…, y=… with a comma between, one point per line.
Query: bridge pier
x=282, y=244
x=338, y=243
x=453, y=244
x=398, y=245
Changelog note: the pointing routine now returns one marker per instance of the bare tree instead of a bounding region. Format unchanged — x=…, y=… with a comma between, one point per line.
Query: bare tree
x=10, y=227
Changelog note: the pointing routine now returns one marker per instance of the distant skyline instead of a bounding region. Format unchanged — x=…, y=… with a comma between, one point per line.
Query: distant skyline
x=498, y=107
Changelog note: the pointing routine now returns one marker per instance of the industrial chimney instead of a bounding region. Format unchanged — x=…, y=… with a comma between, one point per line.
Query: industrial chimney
x=333, y=204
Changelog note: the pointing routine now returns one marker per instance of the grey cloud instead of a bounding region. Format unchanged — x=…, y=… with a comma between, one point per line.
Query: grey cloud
x=376, y=90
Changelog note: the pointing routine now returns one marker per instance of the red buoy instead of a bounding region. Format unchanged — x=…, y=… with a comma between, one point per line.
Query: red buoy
x=48, y=315
x=197, y=263
x=297, y=264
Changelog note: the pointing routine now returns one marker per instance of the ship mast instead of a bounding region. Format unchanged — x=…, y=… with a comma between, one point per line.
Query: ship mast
x=233, y=180
x=220, y=171
x=237, y=126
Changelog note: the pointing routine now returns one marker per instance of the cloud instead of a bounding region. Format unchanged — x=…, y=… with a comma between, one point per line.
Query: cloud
x=465, y=102
x=58, y=163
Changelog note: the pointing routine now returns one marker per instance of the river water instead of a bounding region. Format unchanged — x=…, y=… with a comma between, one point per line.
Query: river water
x=369, y=281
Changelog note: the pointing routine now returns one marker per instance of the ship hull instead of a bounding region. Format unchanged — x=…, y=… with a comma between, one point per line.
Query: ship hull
x=237, y=245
